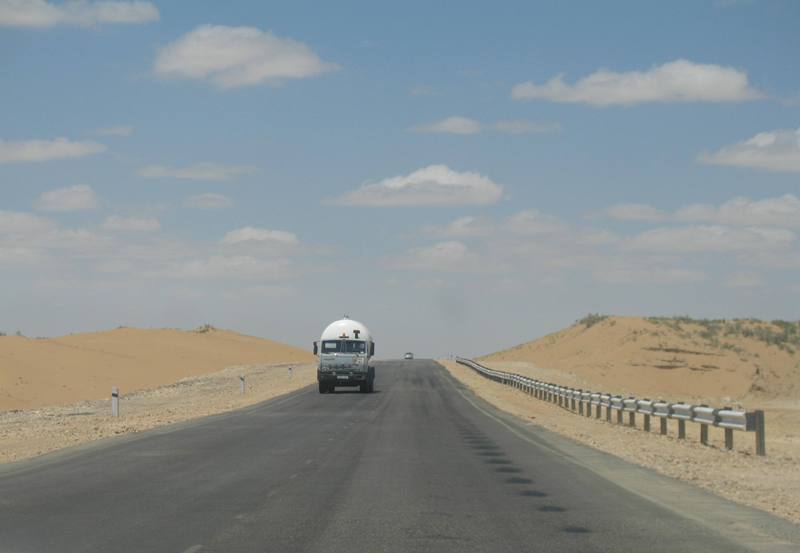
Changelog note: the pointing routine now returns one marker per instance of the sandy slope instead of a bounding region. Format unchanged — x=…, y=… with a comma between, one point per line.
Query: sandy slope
x=670, y=358
x=40, y=372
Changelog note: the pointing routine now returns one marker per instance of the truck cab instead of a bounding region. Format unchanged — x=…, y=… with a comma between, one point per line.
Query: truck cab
x=345, y=350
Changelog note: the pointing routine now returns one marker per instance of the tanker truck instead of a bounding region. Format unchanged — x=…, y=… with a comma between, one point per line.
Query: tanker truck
x=344, y=350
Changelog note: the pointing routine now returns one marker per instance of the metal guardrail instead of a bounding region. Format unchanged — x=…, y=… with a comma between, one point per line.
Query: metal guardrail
x=584, y=402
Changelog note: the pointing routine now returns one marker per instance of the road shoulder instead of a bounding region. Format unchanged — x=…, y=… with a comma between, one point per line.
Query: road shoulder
x=748, y=526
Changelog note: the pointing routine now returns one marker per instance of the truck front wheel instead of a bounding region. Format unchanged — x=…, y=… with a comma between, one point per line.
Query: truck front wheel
x=323, y=388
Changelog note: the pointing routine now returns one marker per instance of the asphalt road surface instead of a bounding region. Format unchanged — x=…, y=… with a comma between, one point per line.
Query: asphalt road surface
x=419, y=465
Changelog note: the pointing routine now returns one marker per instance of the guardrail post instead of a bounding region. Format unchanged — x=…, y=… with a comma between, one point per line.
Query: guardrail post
x=729, y=438
x=619, y=416
x=761, y=446
x=663, y=429
x=114, y=401
x=580, y=407
x=704, y=434
x=632, y=418
x=681, y=429
x=598, y=410
x=572, y=403
x=647, y=423
x=241, y=384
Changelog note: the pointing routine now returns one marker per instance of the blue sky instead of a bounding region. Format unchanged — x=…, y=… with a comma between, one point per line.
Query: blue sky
x=459, y=176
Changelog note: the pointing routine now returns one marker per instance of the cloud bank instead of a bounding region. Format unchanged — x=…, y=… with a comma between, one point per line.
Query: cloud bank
x=773, y=150
x=72, y=198
x=42, y=14
x=22, y=151
x=676, y=81
x=197, y=171
x=231, y=57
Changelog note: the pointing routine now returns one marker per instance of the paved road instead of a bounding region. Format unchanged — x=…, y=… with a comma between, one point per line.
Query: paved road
x=420, y=465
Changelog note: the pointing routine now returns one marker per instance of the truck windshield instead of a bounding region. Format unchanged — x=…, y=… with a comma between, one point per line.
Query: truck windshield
x=344, y=346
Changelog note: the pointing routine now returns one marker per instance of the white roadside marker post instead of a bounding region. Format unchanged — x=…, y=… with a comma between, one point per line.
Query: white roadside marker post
x=290, y=373
x=241, y=384
x=114, y=401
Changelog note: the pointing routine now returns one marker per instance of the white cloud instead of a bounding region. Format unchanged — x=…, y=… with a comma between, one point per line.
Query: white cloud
x=532, y=222
x=18, y=256
x=450, y=125
x=120, y=130
x=232, y=57
x=72, y=198
x=197, y=171
x=435, y=185
x=34, y=237
x=130, y=224
x=711, y=238
x=658, y=275
x=40, y=13
x=19, y=223
x=463, y=125
x=521, y=126
x=774, y=150
x=422, y=90
x=463, y=227
x=446, y=256
x=783, y=211
x=598, y=237
x=744, y=280
x=675, y=81
x=235, y=266
x=45, y=150
x=208, y=201
x=253, y=234
x=635, y=212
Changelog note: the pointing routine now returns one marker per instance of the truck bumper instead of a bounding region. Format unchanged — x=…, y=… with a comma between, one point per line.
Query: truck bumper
x=343, y=378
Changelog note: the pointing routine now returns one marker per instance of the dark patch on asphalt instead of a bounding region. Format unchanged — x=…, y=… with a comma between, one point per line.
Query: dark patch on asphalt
x=485, y=447
x=532, y=493
x=507, y=469
x=518, y=480
x=498, y=461
x=491, y=453
x=552, y=509
x=575, y=530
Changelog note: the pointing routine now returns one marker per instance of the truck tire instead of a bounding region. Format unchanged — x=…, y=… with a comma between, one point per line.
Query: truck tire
x=323, y=388
x=363, y=388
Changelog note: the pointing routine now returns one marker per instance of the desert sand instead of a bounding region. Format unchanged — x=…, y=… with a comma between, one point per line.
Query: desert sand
x=60, y=371
x=674, y=358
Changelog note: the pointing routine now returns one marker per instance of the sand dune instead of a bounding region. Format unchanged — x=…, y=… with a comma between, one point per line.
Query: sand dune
x=668, y=357
x=39, y=372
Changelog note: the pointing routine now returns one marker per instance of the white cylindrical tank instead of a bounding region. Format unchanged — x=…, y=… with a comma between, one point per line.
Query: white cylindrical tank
x=346, y=329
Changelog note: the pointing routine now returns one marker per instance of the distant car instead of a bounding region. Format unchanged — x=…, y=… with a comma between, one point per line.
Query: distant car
x=408, y=355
